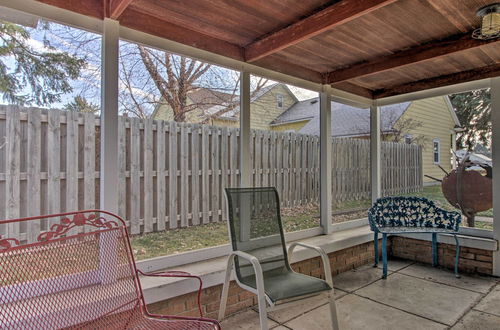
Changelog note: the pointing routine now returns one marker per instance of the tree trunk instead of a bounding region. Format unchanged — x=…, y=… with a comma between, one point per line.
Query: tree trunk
x=471, y=220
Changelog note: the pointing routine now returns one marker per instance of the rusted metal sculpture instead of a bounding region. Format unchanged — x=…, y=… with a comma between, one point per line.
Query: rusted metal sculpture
x=469, y=190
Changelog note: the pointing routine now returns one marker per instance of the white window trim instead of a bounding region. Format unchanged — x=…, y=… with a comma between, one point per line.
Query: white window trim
x=438, y=151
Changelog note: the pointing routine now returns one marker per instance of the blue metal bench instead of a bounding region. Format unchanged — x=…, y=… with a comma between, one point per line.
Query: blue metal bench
x=402, y=215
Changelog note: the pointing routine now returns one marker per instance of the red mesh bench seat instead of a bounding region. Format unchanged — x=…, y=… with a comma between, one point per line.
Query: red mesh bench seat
x=78, y=274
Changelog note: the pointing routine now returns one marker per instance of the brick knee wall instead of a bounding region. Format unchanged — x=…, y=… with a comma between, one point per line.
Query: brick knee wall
x=239, y=299
x=471, y=260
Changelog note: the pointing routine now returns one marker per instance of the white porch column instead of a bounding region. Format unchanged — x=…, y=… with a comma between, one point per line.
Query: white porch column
x=325, y=177
x=453, y=149
x=109, y=116
x=246, y=166
x=495, y=141
x=245, y=163
x=375, y=152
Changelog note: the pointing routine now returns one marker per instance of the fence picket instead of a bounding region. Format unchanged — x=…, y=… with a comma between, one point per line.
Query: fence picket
x=265, y=159
x=148, y=175
x=184, y=175
x=161, y=194
x=195, y=175
x=286, y=170
x=122, y=167
x=172, y=175
x=89, y=161
x=53, y=164
x=33, y=168
x=135, y=183
x=233, y=157
x=215, y=174
x=72, y=128
x=13, y=170
x=205, y=160
x=224, y=153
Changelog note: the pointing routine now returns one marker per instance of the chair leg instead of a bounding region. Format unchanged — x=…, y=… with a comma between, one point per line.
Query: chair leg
x=384, y=254
x=457, y=256
x=225, y=288
x=263, y=312
x=375, y=247
x=434, y=250
x=333, y=312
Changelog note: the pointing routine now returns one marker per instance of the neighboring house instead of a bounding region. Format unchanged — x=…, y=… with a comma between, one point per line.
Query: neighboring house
x=267, y=104
x=275, y=107
x=436, y=129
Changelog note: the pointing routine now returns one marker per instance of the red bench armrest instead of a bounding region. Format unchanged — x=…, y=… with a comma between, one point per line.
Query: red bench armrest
x=176, y=273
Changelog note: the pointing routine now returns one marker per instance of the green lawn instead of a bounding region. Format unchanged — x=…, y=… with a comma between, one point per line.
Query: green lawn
x=294, y=219
x=435, y=193
x=213, y=234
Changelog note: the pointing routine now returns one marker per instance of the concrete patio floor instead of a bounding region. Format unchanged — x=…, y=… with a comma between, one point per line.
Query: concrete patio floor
x=412, y=297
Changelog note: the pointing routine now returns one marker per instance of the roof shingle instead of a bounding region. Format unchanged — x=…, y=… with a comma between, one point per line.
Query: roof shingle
x=346, y=120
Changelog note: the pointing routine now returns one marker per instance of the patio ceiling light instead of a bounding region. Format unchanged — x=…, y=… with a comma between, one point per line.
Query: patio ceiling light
x=490, y=22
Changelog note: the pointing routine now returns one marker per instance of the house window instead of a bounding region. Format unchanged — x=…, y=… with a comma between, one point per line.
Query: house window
x=436, y=150
x=408, y=138
x=279, y=101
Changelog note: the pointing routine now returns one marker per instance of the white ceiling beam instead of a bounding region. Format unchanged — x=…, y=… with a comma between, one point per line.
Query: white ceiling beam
x=433, y=92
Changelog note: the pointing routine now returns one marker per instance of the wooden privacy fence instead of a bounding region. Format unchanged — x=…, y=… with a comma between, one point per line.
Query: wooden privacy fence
x=172, y=174
x=401, y=165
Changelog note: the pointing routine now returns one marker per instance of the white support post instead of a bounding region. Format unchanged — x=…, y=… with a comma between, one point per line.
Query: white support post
x=109, y=116
x=375, y=152
x=109, y=142
x=246, y=166
x=453, y=149
x=245, y=162
x=495, y=143
x=325, y=178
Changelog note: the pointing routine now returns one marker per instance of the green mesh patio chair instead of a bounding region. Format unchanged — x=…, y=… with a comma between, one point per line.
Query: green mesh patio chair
x=260, y=256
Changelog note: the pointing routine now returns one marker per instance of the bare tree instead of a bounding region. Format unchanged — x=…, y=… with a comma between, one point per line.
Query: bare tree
x=152, y=78
x=226, y=107
x=403, y=130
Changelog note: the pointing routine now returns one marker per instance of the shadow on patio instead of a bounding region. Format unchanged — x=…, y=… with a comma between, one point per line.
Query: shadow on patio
x=414, y=296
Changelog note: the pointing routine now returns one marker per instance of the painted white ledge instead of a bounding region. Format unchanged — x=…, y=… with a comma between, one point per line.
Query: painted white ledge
x=212, y=269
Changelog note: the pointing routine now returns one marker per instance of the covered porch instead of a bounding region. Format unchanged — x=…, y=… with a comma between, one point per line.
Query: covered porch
x=367, y=54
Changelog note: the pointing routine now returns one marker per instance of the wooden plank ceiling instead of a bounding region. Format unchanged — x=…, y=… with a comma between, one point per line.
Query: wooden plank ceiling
x=373, y=48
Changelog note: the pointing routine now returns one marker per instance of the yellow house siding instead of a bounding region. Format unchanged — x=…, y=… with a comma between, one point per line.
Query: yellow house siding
x=264, y=110
x=164, y=112
x=290, y=126
x=227, y=123
x=437, y=123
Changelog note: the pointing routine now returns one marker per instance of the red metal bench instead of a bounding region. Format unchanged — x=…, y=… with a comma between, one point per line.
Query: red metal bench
x=80, y=273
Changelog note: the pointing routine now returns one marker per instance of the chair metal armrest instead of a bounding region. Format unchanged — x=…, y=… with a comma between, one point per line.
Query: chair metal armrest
x=259, y=276
x=255, y=264
x=246, y=256
x=178, y=273
x=322, y=254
